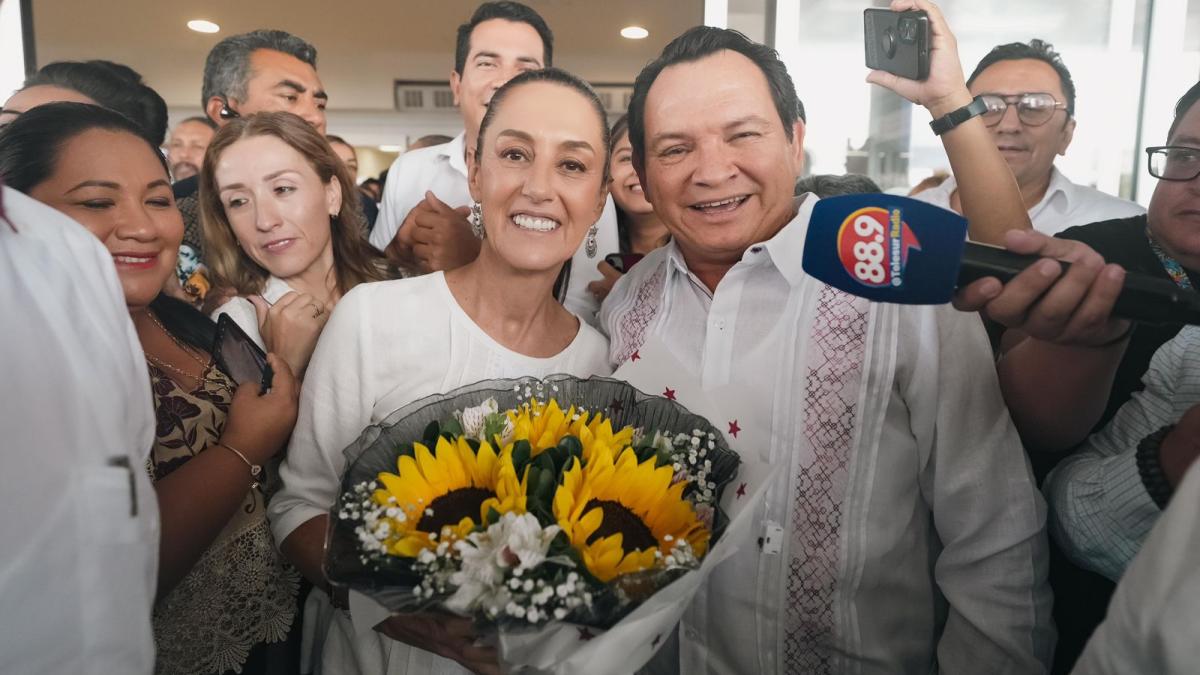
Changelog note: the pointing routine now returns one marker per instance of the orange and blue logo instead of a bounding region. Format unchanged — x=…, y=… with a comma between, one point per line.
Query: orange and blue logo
x=873, y=245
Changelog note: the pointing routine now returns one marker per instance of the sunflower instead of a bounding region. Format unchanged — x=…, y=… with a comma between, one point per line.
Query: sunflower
x=621, y=515
x=545, y=424
x=447, y=492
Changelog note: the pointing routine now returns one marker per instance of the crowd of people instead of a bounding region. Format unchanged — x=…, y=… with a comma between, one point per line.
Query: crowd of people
x=941, y=500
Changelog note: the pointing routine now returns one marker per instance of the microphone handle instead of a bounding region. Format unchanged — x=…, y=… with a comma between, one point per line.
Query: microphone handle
x=1144, y=298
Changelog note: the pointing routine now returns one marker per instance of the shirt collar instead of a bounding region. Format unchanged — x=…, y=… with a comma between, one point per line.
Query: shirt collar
x=455, y=152
x=785, y=249
x=274, y=289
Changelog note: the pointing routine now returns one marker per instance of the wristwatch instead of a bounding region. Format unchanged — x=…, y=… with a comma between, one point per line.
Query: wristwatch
x=1150, y=469
x=956, y=117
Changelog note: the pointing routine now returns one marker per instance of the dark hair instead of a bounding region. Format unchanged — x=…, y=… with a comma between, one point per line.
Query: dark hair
x=30, y=145
x=430, y=140
x=508, y=11
x=1038, y=50
x=1182, y=107
x=619, y=129
x=695, y=44
x=556, y=76
x=334, y=138
x=355, y=260
x=29, y=151
x=831, y=185
x=112, y=85
x=200, y=119
x=227, y=68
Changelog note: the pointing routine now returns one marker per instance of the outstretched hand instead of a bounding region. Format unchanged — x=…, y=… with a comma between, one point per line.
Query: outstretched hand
x=945, y=89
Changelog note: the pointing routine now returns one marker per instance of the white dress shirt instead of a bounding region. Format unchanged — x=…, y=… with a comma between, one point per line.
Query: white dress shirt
x=924, y=543
x=442, y=170
x=78, y=516
x=1064, y=205
x=386, y=345
x=242, y=311
x=1100, y=512
x=1151, y=625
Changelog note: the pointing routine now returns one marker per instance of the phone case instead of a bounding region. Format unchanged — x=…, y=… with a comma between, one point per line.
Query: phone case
x=238, y=356
x=897, y=42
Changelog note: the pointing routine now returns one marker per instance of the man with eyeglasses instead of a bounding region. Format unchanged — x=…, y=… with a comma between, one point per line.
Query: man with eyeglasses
x=1071, y=369
x=1030, y=100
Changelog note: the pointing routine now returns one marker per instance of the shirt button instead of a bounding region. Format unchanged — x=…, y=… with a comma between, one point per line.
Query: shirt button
x=719, y=324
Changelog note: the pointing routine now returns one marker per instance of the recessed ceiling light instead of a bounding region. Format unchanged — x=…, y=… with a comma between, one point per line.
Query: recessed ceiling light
x=203, y=26
x=390, y=148
x=634, y=32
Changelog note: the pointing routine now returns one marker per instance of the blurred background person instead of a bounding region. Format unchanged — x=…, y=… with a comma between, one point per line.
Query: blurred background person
x=186, y=145
x=349, y=157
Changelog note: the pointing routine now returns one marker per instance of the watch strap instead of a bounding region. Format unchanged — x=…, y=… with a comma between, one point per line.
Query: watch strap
x=956, y=117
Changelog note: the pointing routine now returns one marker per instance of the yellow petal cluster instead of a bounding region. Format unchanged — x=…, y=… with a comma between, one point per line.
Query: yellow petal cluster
x=545, y=424
x=645, y=491
x=426, y=476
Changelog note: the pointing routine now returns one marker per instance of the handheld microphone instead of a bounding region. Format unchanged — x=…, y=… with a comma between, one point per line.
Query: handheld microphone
x=894, y=249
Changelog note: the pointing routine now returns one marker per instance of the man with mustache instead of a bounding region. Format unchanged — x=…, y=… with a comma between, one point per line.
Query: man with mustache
x=186, y=146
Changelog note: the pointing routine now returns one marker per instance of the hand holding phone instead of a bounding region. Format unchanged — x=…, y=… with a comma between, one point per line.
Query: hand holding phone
x=897, y=42
x=944, y=88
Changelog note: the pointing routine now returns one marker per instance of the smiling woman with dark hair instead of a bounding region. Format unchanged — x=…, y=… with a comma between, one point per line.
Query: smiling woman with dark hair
x=217, y=563
x=538, y=177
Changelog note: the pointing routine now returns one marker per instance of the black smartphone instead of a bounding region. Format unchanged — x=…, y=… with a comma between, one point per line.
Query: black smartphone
x=622, y=262
x=897, y=42
x=238, y=356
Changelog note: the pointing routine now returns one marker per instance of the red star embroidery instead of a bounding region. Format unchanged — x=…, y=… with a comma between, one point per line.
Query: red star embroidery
x=734, y=428
x=657, y=639
x=616, y=406
x=741, y=491
x=669, y=393
x=585, y=634
x=635, y=356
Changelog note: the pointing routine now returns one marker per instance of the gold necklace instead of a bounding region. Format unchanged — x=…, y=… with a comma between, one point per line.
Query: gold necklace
x=171, y=367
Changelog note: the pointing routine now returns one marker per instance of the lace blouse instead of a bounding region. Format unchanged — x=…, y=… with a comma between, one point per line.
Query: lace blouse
x=240, y=593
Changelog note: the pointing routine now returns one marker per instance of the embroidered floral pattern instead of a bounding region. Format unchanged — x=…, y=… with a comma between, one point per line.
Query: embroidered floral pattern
x=633, y=326
x=240, y=593
x=835, y=357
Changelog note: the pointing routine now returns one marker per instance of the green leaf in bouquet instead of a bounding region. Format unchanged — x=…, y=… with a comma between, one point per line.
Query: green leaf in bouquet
x=568, y=448
x=430, y=435
x=493, y=426
x=452, y=428
x=522, y=453
x=493, y=516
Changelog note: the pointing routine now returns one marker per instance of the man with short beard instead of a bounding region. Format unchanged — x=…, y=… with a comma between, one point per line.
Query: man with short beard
x=186, y=145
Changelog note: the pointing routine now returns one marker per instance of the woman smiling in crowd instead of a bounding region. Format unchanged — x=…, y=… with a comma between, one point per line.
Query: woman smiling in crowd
x=217, y=563
x=538, y=176
x=283, y=228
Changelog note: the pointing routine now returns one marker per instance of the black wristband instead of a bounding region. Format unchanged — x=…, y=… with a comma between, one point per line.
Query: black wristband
x=956, y=117
x=1150, y=468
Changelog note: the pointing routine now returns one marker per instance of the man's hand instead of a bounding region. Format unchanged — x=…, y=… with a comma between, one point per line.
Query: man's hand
x=441, y=237
x=1068, y=309
x=448, y=636
x=1181, y=446
x=602, y=287
x=945, y=89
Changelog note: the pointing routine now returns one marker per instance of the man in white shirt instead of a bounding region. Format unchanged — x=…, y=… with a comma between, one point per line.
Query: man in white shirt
x=1031, y=114
x=78, y=516
x=422, y=220
x=1151, y=625
x=900, y=531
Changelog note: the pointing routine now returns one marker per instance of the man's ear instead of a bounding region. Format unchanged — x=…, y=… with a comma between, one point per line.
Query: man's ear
x=456, y=86
x=212, y=108
x=798, y=129
x=1068, y=133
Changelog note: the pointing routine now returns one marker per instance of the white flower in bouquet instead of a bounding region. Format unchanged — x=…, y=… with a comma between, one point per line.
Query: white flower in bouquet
x=512, y=545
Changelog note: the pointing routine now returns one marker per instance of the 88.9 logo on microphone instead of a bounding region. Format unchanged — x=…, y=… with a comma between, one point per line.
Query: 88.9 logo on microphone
x=873, y=245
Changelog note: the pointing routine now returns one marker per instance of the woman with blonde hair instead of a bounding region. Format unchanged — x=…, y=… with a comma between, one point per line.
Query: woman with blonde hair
x=284, y=229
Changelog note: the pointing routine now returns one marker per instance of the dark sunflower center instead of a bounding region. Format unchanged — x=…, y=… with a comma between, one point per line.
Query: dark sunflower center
x=617, y=518
x=452, y=507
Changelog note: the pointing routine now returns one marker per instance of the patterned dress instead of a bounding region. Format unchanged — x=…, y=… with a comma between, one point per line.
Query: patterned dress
x=240, y=595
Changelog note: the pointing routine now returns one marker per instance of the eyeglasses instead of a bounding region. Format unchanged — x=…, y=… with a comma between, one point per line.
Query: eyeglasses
x=1033, y=109
x=1173, y=162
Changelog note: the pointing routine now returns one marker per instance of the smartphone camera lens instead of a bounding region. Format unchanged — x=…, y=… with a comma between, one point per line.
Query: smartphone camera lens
x=887, y=40
x=908, y=30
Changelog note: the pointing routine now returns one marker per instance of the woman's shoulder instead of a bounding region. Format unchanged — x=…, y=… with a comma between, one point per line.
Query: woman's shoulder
x=589, y=351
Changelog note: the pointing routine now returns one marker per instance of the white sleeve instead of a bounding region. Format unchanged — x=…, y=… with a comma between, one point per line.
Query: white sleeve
x=1100, y=512
x=335, y=406
x=244, y=315
x=989, y=516
x=394, y=206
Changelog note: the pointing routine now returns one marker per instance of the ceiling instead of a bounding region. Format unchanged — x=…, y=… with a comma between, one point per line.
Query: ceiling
x=363, y=45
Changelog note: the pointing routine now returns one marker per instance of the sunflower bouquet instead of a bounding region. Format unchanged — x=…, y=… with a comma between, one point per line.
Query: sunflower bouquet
x=530, y=505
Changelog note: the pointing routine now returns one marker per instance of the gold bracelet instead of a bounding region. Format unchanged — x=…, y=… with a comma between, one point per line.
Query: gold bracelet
x=255, y=469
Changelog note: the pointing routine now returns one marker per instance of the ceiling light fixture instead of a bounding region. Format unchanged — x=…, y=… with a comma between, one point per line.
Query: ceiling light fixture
x=391, y=148
x=203, y=26
x=634, y=32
